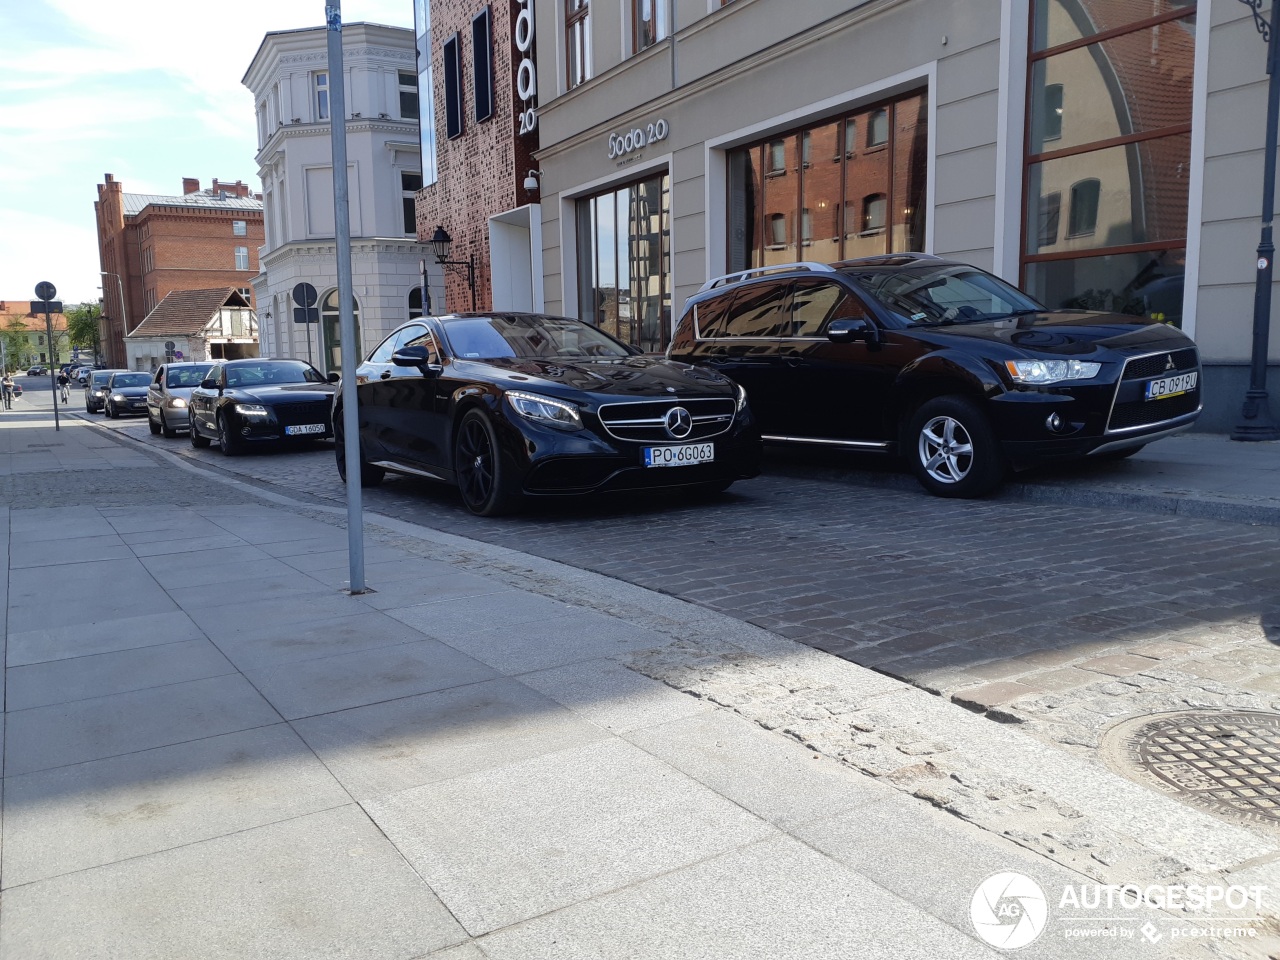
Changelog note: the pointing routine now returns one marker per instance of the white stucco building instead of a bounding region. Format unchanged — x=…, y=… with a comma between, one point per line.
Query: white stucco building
x=289, y=77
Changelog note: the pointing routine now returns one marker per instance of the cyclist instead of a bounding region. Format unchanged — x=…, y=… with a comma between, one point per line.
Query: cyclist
x=63, y=383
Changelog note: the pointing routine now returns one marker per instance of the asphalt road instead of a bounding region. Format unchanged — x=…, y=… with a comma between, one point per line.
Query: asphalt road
x=1064, y=618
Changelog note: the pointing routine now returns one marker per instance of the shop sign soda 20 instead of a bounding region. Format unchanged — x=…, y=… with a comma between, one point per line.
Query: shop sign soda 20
x=621, y=144
x=526, y=71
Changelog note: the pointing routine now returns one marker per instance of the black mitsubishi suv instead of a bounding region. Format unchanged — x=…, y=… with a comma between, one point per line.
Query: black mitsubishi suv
x=941, y=362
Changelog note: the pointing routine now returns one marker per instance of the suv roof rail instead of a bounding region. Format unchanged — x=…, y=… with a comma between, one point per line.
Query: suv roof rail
x=739, y=276
x=890, y=259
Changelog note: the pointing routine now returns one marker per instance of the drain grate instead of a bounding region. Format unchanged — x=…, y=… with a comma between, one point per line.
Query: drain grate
x=1228, y=763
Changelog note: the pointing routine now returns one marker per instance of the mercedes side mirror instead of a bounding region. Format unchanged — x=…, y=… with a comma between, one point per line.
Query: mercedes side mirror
x=847, y=331
x=419, y=357
x=208, y=384
x=334, y=376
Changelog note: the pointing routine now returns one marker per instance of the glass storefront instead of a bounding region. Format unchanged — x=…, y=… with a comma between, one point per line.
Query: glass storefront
x=1108, y=162
x=853, y=186
x=624, y=262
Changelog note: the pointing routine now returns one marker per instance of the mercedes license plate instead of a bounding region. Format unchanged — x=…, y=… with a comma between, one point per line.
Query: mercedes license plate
x=305, y=428
x=679, y=456
x=1172, y=386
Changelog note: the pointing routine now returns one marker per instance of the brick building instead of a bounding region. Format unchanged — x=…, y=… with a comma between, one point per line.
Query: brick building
x=150, y=245
x=479, y=132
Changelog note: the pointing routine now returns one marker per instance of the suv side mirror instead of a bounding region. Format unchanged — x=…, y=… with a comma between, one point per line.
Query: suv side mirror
x=847, y=331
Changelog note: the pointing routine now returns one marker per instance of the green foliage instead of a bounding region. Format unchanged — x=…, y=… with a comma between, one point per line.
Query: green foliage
x=82, y=324
x=16, y=350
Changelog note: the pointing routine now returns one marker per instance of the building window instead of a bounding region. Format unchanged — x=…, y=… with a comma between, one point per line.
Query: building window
x=247, y=293
x=1084, y=207
x=320, y=87
x=482, y=63
x=577, y=28
x=1131, y=143
x=1050, y=215
x=331, y=332
x=410, y=184
x=453, y=127
x=242, y=258
x=239, y=228
x=840, y=200
x=415, y=303
x=624, y=262
x=649, y=22
x=148, y=259
x=408, y=95
x=426, y=86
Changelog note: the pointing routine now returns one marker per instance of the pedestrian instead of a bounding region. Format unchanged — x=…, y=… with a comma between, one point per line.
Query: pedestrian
x=63, y=383
x=6, y=387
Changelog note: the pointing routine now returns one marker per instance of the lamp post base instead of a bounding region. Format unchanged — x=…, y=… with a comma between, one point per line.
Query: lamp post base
x=1257, y=423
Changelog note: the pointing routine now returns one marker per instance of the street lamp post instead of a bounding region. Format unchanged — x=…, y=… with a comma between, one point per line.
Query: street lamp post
x=426, y=290
x=442, y=243
x=1256, y=421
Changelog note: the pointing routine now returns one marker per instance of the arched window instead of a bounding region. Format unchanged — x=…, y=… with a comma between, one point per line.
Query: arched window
x=415, y=303
x=331, y=332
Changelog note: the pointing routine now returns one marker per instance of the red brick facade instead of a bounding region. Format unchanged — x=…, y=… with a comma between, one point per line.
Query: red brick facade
x=170, y=244
x=481, y=172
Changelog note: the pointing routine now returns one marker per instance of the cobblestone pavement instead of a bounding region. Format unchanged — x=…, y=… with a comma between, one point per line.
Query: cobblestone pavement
x=1063, y=619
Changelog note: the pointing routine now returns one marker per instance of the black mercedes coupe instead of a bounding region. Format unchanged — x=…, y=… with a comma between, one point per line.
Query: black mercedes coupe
x=243, y=402
x=511, y=405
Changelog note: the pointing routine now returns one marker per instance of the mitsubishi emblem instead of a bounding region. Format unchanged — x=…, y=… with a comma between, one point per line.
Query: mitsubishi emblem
x=1169, y=364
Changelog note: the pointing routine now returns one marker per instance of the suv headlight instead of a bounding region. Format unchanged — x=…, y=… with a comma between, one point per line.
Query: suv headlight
x=251, y=410
x=1051, y=371
x=554, y=413
x=118, y=398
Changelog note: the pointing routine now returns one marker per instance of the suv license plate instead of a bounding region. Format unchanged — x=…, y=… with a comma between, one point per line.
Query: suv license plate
x=305, y=428
x=679, y=456
x=1172, y=386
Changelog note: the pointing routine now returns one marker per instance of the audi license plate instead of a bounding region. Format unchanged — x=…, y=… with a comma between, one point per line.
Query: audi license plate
x=679, y=456
x=305, y=428
x=1172, y=386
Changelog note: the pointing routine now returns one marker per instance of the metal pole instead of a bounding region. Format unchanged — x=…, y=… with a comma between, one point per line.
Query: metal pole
x=1257, y=422
x=346, y=320
x=471, y=278
x=426, y=290
x=53, y=377
x=309, y=358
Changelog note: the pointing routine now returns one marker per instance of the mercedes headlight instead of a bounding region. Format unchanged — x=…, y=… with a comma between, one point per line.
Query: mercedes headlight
x=553, y=413
x=1051, y=371
x=742, y=396
x=251, y=410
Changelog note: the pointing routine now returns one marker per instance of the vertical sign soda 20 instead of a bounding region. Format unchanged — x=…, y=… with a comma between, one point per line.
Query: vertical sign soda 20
x=526, y=72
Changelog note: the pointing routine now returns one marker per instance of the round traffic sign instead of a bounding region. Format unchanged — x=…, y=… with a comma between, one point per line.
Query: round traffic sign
x=46, y=290
x=304, y=295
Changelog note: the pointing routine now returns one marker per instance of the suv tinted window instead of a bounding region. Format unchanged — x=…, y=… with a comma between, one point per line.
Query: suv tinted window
x=758, y=311
x=945, y=293
x=711, y=315
x=814, y=305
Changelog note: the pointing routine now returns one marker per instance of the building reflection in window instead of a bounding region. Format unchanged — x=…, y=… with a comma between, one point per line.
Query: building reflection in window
x=847, y=197
x=624, y=262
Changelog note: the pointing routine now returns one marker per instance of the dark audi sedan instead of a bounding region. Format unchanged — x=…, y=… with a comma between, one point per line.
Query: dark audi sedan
x=953, y=368
x=243, y=402
x=509, y=405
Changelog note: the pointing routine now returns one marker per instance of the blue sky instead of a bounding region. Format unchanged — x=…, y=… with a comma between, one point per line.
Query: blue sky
x=148, y=90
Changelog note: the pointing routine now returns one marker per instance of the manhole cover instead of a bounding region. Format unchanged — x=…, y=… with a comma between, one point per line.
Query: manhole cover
x=1228, y=763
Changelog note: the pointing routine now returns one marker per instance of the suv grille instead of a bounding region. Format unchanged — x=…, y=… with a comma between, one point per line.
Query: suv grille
x=645, y=421
x=1156, y=365
x=296, y=414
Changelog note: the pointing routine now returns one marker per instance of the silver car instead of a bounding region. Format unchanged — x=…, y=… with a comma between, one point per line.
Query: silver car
x=95, y=390
x=170, y=393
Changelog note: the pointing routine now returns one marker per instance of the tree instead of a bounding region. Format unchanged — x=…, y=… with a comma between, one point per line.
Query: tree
x=83, y=325
x=15, y=343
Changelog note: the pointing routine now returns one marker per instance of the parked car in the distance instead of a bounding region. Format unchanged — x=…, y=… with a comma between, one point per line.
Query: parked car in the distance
x=127, y=393
x=95, y=389
x=516, y=405
x=169, y=395
x=242, y=402
x=38, y=372
x=81, y=374
x=960, y=372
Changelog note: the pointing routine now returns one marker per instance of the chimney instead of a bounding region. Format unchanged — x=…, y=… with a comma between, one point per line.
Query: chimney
x=191, y=185
x=108, y=178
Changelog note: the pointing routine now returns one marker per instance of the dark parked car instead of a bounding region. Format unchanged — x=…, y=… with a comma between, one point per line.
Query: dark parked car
x=127, y=393
x=508, y=405
x=948, y=365
x=95, y=389
x=242, y=402
x=170, y=393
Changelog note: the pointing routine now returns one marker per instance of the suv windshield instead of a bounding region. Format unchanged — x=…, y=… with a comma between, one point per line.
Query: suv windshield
x=130, y=380
x=186, y=376
x=944, y=293
x=489, y=338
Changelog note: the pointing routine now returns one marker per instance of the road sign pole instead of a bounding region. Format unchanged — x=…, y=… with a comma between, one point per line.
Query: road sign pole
x=46, y=291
